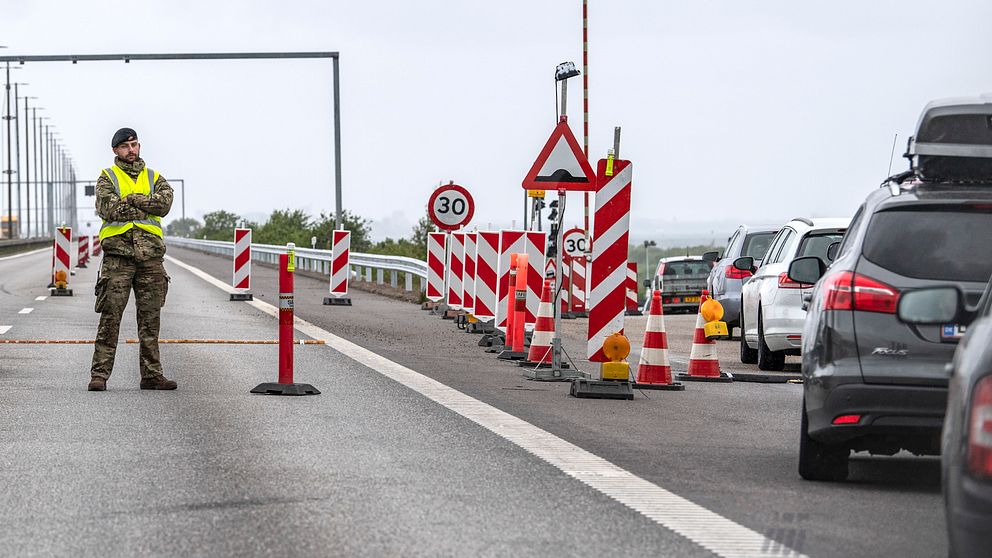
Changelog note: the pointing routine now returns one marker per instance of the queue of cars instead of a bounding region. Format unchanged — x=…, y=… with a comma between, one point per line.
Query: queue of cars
x=891, y=311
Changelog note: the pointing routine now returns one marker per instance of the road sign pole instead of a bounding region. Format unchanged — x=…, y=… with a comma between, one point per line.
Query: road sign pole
x=556, y=368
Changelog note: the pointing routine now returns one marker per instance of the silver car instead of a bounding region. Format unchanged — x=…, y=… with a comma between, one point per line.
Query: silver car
x=725, y=280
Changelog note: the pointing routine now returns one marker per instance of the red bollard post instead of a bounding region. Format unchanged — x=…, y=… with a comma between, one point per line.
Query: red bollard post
x=520, y=306
x=285, y=386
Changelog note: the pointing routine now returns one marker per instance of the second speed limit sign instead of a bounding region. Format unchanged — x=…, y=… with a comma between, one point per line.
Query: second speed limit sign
x=451, y=207
x=575, y=242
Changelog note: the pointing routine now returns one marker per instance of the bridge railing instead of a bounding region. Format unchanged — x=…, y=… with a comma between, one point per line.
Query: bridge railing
x=398, y=268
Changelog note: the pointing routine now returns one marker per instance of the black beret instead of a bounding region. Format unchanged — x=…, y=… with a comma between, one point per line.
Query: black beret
x=123, y=135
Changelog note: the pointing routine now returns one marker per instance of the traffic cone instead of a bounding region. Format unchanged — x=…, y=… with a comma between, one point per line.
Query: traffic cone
x=539, y=355
x=704, y=366
x=653, y=369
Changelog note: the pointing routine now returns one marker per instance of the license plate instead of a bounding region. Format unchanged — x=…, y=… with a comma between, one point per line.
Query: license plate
x=691, y=299
x=952, y=332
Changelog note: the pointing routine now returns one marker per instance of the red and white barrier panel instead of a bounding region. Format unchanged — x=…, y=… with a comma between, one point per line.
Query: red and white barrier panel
x=468, y=275
x=83, y=247
x=510, y=242
x=578, y=298
x=340, y=262
x=62, y=247
x=97, y=249
x=455, y=270
x=435, y=265
x=632, y=287
x=536, y=244
x=608, y=272
x=486, y=278
x=242, y=259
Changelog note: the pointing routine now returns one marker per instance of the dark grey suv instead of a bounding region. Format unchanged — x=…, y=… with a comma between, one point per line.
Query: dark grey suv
x=871, y=382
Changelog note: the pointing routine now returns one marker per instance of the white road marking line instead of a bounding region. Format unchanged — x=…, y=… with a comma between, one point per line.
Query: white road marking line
x=42, y=297
x=4, y=329
x=22, y=254
x=26, y=310
x=700, y=525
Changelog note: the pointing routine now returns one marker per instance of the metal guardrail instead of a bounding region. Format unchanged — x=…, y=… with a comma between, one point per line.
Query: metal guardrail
x=24, y=244
x=319, y=261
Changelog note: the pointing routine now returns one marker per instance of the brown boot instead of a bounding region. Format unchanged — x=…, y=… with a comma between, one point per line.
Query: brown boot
x=97, y=383
x=157, y=382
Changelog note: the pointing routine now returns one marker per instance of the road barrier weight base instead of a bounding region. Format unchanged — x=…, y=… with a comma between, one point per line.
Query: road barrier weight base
x=428, y=305
x=541, y=365
x=335, y=301
x=674, y=386
x=765, y=378
x=241, y=297
x=482, y=328
x=452, y=314
x=567, y=316
x=60, y=292
x=723, y=377
x=543, y=373
x=633, y=313
x=601, y=389
x=507, y=354
x=273, y=388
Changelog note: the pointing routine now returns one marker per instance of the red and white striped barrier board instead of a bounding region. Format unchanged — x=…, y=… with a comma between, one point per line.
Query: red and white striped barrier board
x=579, y=273
x=510, y=242
x=83, y=246
x=340, y=262
x=97, y=249
x=468, y=276
x=608, y=272
x=486, y=279
x=632, y=286
x=242, y=259
x=455, y=270
x=63, y=245
x=537, y=243
x=436, y=242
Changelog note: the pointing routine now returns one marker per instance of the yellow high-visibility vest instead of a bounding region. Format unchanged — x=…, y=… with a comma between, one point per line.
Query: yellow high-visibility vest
x=124, y=185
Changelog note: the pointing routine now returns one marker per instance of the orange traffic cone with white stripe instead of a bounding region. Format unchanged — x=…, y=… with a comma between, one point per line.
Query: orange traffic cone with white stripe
x=704, y=366
x=653, y=369
x=539, y=355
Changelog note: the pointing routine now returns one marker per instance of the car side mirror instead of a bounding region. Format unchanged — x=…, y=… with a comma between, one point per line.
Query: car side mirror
x=745, y=263
x=712, y=257
x=832, y=251
x=807, y=269
x=931, y=305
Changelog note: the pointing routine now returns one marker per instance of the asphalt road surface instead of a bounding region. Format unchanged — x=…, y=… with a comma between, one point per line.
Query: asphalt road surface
x=420, y=444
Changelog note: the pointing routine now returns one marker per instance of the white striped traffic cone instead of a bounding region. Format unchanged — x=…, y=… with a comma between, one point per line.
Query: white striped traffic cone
x=703, y=362
x=653, y=369
x=544, y=329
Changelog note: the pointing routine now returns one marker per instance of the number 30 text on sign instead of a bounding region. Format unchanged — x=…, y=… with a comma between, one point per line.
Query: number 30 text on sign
x=451, y=207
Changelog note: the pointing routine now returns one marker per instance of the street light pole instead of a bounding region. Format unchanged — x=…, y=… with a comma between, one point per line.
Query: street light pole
x=8, y=171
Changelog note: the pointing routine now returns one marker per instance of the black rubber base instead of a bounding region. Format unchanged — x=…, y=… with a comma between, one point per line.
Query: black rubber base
x=674, y=386
x=428, y=305
x=601, y=389
x=335, y=301
x=541, y=365
x=452, y=314
x=50, y=286
x=272, y=388
x=633, y=313
x=482, y=328
x=766, y=378
x=60, y=292
x=723, y=377
x=510, y=355
x=567, y=316
x=241, y=297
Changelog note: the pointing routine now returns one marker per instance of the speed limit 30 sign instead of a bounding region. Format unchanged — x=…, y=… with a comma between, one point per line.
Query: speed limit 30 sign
x=574, y=241
x=451, y=207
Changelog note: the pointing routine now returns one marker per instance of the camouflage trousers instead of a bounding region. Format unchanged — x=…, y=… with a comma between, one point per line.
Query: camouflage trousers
x=118, y=276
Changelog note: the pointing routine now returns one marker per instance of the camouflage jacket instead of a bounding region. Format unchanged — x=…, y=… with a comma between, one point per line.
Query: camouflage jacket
x=135, y=243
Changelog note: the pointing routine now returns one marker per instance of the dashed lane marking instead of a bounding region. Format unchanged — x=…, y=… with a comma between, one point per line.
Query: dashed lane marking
x=42, y=297
x=26, y=310
x=700, y=525
x=4, y=329
x=22, y=254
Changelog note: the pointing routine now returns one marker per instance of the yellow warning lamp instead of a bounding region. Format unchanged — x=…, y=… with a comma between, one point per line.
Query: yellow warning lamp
x=609, y=162
x=712, y=311
x=60, y=280
x=616, y=347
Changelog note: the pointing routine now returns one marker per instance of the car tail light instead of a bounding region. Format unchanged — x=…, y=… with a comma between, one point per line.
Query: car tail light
x=847, y=419
x=734, y=273
x=853, y=291
x=785, y=283
x=980, y=430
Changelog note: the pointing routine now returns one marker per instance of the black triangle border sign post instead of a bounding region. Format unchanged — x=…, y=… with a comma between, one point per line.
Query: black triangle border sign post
x=530, y=182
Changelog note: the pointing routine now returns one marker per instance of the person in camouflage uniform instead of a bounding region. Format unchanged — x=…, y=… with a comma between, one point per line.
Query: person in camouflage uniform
x=133, y=251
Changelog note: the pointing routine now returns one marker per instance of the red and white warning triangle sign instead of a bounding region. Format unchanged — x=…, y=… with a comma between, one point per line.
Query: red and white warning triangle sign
x=561, y=164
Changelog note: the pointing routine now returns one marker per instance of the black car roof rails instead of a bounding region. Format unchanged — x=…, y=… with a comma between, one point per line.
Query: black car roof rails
x=804, y=220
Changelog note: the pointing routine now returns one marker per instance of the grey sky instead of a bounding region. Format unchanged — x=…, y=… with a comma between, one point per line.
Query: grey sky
x=731, y=111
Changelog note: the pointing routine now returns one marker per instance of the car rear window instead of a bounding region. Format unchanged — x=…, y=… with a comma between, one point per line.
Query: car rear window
x=688, y=268
x=817, y=244
x=755, y=245
x=946, y=244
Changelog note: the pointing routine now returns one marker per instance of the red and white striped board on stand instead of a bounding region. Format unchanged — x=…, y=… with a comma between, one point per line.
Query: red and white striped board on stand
x=632, y=288
x=486, y=278
x=608, y=272
x=510, y=242
x=83, y=246
x=536, y=244
x=435, y=265
x=456, y=253
x=468, y=276
x=62, y=246
x=242, y=259
x=97, y=249
x=340, y=262
x=577, y=300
